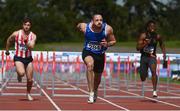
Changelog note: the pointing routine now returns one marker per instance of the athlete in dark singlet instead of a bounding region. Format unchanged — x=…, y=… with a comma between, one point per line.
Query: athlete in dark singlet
x=98, y=37
x=147, y=44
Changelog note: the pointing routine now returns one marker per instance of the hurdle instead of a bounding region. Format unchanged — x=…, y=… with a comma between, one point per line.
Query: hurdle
x=53, y=93
x=168, y=88
x=111, y=75
x=2, y=68
x=130, y=95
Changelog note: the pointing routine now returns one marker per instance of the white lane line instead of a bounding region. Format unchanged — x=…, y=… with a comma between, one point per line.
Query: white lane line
x=102, y=99
x=52, y=102
x=4, y=84
x=151, y=99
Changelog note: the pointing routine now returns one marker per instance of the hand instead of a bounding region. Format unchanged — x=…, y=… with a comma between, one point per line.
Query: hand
x=7, y=53
x=147, y=41
x=25, y=40
x=104, y=43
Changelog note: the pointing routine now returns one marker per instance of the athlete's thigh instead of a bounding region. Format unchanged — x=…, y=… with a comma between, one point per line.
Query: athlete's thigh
x=99, y=63
x=20, y=67
x=89, y=60
x=29, y=71
x=143, y=67
x=152, y=64
x=98, y=75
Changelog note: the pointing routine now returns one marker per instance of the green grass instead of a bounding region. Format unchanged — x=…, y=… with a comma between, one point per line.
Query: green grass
x=131, y=44
x=170, y=80
x=173, y=44
x=53, y=46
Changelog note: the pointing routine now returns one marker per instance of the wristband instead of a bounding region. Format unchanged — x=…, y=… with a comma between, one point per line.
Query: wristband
x=7, y=53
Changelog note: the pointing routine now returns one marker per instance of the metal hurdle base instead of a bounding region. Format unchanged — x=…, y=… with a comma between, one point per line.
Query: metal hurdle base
x=19, y=94
x=70, y=95
x=63, y=88
x=64, y=95
x=119, y=96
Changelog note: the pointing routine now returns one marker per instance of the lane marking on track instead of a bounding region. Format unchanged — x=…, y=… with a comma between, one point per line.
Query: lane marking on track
x=162, y=85
x=150, y=98
x=49, y=98
x=102, y=99
x=4, y=84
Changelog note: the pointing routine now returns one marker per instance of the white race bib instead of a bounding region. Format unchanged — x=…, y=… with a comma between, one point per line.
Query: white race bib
x=23, y=47
x=94, y=46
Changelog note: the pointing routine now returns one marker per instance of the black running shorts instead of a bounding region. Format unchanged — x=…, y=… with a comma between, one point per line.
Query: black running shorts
x=98, y=60
x=25, y=61
x=145, y=63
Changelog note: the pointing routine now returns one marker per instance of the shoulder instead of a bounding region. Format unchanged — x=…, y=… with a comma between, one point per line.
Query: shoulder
x=109, y=29
x=33, y=35
x=142, y=35
x=15, y=33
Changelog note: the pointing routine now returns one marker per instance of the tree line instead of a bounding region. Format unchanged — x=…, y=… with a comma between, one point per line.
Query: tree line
x=56, y=20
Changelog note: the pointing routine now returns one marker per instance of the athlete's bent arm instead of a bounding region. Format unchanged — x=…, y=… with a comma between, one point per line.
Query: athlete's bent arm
x=110, y=40
x=32, y=43
x=141, y=43
x=10, y=41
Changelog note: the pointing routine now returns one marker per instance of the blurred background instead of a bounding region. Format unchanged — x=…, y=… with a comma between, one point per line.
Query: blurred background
x=54, y=21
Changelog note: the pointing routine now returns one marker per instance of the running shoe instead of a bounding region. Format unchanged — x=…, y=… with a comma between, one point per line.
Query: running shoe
x=95, y=96
x=91, y=98
x=154, y=94
x=29, y=97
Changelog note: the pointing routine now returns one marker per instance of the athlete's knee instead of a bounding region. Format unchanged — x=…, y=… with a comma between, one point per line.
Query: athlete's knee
x=143, y=77
x=89, y=66
x=29, y=80
x=21, y=73
x=154, y=75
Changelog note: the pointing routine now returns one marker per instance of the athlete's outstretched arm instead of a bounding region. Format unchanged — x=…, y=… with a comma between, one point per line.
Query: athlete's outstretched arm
x=162, y=46
x=10, y=41
x=81, y=27
x=32, y=43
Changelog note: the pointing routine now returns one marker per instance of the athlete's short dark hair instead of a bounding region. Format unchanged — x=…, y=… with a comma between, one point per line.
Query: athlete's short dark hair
x=149, y=22
x=27, y=19
x=96, y=15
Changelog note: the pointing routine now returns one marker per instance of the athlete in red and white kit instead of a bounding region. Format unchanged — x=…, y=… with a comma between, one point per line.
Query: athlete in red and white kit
x=24, y=41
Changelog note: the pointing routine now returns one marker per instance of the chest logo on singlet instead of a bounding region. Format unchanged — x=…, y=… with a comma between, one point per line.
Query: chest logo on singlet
x=94, y=45
x=23, y=47
x=148, y=49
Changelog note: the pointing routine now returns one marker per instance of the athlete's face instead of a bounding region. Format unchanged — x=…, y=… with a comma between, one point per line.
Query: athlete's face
x=26, y=26
x=97, y=21
x=151, y=27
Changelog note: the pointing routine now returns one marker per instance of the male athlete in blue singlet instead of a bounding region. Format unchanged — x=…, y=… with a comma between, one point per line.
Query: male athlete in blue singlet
x=98, y=37
x=147, y=44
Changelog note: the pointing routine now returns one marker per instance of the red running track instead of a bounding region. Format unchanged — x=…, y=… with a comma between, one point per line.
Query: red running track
x=48, y=102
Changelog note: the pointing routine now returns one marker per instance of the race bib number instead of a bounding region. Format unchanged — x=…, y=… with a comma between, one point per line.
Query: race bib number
x=148, y=49
x=94, y=46
x=23, y=47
